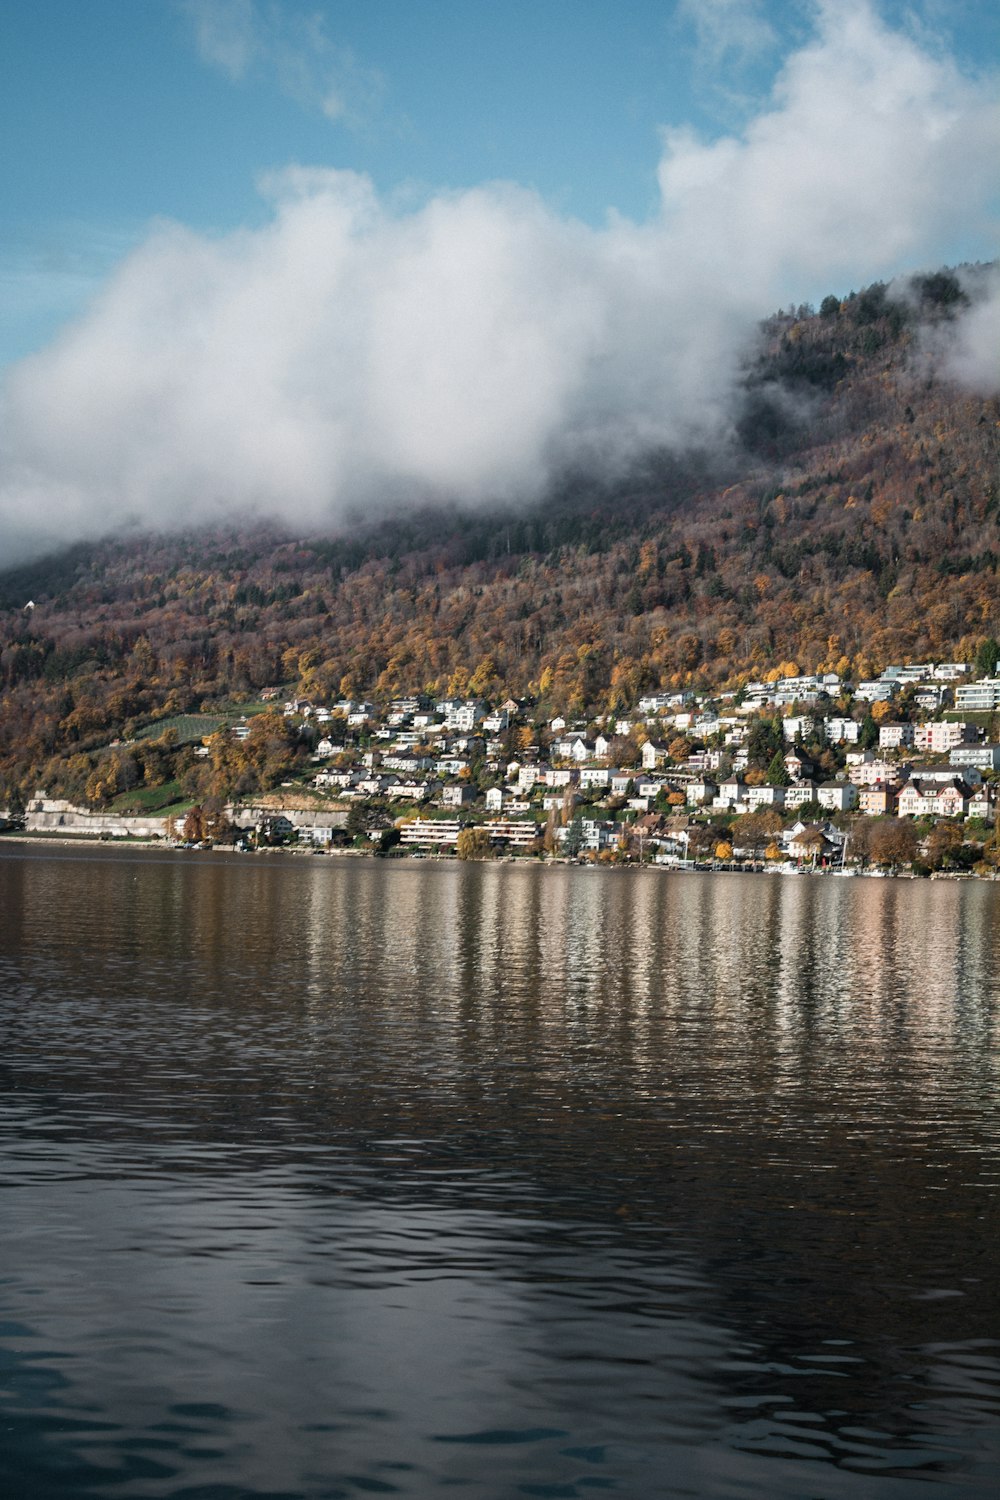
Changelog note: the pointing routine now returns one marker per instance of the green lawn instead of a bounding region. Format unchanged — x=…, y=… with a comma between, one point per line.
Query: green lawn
x=232, y=711
x=189, y=728
x=980, y=716
x=163, y=800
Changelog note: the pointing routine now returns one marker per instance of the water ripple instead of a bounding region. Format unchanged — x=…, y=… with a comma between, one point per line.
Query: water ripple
x=321, y=1179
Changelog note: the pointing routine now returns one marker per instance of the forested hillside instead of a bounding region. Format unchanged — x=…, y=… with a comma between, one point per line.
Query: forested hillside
x=851, y=520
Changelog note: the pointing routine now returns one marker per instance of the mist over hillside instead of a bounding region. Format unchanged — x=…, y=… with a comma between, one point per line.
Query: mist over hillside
x=358, y=353
x=852, y=518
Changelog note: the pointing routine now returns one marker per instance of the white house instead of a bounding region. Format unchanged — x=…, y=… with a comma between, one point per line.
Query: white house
x=732, y=791
x=457, y=794
x=942, y=735
x=981, y=803
x=765, y=796
x=529, y=774
x=464, y=716
x=983, y=695
x=440, y=831
x=654, y=753
x=982, y=757
x=701, y=790
x=595, y=776
x=874, y=692
x=837, y=796
x=799, y=793
x=842, y=731
x=920, y=799
x=802, y=724
x=515, y=833
x=893, y=736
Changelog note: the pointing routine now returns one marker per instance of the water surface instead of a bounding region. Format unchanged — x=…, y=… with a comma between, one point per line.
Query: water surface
x=327, y=1178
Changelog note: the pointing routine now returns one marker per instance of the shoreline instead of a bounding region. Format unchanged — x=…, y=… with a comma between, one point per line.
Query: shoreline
x=89, y=841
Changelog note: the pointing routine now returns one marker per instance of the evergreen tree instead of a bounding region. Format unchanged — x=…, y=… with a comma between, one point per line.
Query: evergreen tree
x=987, y=657
x=573, y=841
x=15, y=808
x=777, y=775
x=764, y=741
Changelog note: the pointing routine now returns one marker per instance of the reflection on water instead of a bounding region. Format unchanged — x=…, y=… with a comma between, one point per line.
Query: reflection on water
x=322, y=1178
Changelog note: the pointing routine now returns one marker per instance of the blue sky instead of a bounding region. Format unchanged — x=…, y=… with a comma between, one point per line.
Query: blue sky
x=116, y=112
x=272, y=257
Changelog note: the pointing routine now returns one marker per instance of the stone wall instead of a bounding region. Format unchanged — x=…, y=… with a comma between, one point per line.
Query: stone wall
x=52, y=815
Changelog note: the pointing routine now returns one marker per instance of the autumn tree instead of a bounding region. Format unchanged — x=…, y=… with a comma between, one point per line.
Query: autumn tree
x=702, y=839
x=812, y=842
x=755, y=829
x=942, y=844
x=893, y=842
x=474, y=843
x=194, y=825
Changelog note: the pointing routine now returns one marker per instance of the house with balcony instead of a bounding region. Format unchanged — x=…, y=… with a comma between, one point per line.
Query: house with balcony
x=457, y=794
x=941, y=735
x=895, y=736
x=841, y=731
x=433, y=832
x=654, y=754
x=800, y=793
x=837, y=796
x=765, y=796
x=978, y=757
x=878, y=799
x=933, y=799
x=513, y=833
x=978, y=697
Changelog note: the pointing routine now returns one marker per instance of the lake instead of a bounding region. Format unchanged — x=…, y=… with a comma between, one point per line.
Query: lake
x=324, y=1177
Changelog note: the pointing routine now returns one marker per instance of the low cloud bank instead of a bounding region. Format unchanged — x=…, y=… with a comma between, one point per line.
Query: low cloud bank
x=350, y=355
x=972, y=354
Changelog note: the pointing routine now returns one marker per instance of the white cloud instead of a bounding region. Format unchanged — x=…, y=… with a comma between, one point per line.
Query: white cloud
x=290, y=48
x=872, y=152
x=728, y=31
x=973, y=355
x=227, y=34
x=347, y=353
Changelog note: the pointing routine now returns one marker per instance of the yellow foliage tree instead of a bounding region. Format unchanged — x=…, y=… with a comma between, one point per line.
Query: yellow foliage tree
x=474, y=843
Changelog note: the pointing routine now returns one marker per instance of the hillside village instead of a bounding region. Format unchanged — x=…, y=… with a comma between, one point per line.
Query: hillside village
x=891, y=772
